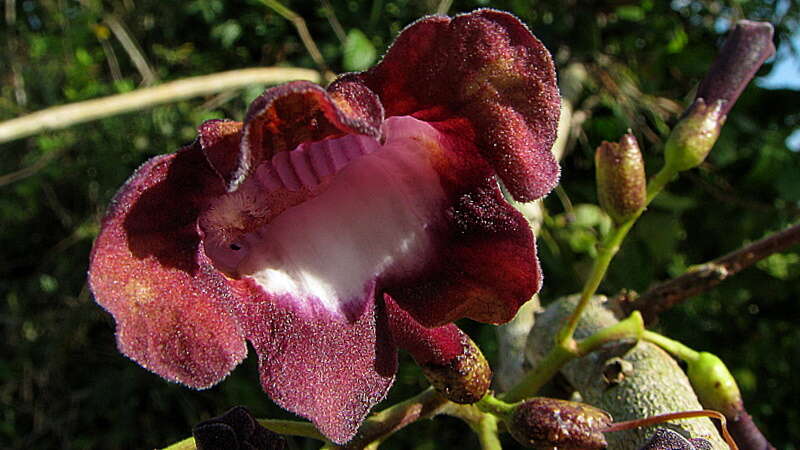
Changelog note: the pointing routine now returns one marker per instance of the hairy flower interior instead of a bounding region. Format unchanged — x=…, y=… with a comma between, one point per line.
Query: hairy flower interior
x=369, y=216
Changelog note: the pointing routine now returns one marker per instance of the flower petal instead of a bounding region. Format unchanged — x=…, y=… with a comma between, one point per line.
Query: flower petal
x=485, y=270
x=319, y=366
x=219, y=140
x=297, y=112
x=148, y=270
x=486, y=67
x=448, y=357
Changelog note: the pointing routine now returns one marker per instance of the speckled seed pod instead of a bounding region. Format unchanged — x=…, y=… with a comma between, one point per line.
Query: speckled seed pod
x=545, y=423
x=621, y=182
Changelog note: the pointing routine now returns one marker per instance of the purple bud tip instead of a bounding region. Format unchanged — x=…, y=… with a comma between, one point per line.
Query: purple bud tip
x=747, y=47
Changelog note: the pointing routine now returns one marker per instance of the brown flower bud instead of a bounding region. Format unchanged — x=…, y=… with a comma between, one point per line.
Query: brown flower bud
x=465, y=378
x=545, y=423
x=694, y=136
x=621, y=183
x=747, y=47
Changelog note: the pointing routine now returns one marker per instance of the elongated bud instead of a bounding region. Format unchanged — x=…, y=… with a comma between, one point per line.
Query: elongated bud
x=621, y=182
x=695, y=135
x=715, y=386
x=747, y=47
x=545, y=423
x=449, y=359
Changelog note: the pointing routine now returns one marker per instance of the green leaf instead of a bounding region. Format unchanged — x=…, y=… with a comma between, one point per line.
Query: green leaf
x=631, y=13
x=227, y=32
x=359, y=53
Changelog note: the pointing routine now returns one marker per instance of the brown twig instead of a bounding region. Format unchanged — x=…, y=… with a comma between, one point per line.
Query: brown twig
x=59, y=117
x=705, y=276
x=132, y=48
x=31, y=170
x=305, y=36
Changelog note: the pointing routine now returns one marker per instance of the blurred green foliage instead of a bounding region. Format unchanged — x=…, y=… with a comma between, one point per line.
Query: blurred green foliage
x=64, y=385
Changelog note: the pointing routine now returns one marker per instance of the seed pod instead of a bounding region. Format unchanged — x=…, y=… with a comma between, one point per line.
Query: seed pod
x=715, y=386
x=545, y=423
x=621, y=183
x=695, y=135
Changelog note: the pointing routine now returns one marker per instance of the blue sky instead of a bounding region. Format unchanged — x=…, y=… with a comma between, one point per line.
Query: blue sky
x=785, y=74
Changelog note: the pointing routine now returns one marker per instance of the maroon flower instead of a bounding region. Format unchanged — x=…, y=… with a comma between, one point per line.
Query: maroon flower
x=294, y=229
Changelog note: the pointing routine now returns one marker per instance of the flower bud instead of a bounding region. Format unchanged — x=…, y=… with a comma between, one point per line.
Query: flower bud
x=714, y=385
x=236, y=429
x=465, y=378
x=747, y=47
x=692, y=139
x=545, y=423
x=621, y=183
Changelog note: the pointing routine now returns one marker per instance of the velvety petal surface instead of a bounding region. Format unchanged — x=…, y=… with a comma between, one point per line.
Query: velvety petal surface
x=486, y=269
x=219, y=139
x=148, y=270
x=329, y=370
x=485, y=265
x=485, y=67
x=372, y=215
x=288, y=115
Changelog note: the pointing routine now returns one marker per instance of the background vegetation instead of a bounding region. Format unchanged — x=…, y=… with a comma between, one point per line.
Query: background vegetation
x=64, y=385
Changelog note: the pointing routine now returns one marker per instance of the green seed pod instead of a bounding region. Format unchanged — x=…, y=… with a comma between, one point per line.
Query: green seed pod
x=621, y=183
x=546, y=423
x=715, y=386
x=695, y=135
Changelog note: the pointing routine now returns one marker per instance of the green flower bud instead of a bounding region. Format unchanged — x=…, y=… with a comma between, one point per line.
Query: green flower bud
x=692, y=139
x=546, y=423
x=621, y=182
x=463, y=379
x=714, y=385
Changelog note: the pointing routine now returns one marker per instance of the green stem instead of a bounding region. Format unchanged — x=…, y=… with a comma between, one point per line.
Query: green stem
x=544, y=371
x=292, y=428
x=676, y=348
x=383, y=424
x=566, y=348
x=186, y=444
x=657, y=183
x=630, y=328
x=493, y=405
x=606, y=253
x=487, y=433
